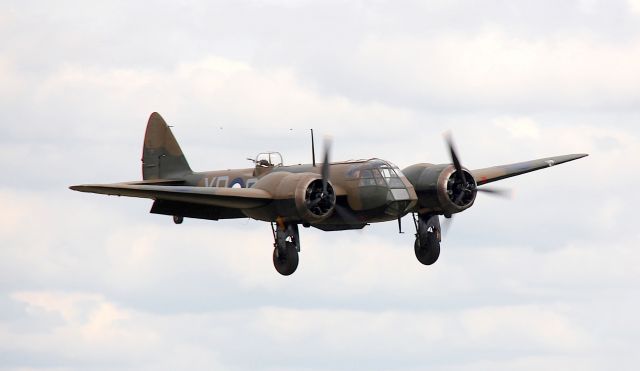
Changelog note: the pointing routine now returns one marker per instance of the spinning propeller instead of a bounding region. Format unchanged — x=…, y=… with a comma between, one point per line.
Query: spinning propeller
x=345, y=213
x=321, y=197
x=463, y=185
x=462, y=176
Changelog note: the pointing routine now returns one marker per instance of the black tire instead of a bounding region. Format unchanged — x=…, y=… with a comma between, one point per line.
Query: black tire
x=430, y=252
x=178, y=219
x=286, y=263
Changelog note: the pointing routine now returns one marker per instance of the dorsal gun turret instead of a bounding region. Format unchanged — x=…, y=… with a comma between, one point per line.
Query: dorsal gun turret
x=266, y=161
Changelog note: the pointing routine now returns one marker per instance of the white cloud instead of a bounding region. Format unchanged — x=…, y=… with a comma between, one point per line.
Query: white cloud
x=88, y=327
x=98, y=332
x=482, y=329
x=94, y=317
x=519, y=127
x=537, y=326
x=588, y=6
x=493, y=68
x=11, y=85
x=610, y=212
x=218, y=88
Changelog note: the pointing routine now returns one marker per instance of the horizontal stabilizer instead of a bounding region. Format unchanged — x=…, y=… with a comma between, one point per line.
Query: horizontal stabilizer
x=163, y=182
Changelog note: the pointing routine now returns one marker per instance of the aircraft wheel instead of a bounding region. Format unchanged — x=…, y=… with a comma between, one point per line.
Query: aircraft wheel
x=428, y=251
x=286, y=262
x=178, y=219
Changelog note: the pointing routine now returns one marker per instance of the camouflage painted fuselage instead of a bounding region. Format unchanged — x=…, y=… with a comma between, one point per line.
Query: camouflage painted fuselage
x=360, y=186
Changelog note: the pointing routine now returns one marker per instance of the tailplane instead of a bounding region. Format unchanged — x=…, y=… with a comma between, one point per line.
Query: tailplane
x=162, y=157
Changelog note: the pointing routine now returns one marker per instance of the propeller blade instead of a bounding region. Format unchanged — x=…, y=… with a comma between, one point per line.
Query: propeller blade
x=459, y=198
x=325, y=165
x=499, y=192
x=456, y=160
x=314, y=203
x=446, y=226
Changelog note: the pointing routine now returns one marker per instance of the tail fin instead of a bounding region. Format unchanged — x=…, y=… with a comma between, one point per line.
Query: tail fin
x=162, y=157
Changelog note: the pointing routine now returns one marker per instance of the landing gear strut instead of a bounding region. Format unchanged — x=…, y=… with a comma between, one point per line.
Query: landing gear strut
x=286, y=248
x=428, y=237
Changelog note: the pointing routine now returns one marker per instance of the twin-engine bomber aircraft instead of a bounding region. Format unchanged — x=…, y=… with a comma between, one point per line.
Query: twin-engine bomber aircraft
x=329, y=196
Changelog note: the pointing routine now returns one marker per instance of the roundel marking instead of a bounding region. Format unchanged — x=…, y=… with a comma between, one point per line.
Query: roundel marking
x=237, y=183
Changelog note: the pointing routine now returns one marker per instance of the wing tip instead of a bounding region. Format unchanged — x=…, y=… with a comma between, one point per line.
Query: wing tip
x=82, y=187
x=576, y=156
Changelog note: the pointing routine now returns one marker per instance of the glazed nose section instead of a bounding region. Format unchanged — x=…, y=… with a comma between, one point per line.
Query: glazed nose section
x=398, y=198
x=398, y=201
x=383, y=188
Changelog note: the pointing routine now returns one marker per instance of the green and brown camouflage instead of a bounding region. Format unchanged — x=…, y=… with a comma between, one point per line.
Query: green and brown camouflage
x=162, y=157
x=495, y=173
x=329, y=196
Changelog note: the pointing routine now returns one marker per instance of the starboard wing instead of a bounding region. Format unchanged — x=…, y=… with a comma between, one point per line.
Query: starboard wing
x=492, y=174
x=235, y=198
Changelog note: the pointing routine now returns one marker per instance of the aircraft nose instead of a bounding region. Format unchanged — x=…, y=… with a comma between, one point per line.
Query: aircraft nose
x=398, y=201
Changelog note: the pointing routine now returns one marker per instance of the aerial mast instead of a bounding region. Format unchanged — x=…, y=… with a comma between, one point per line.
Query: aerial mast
x=313, y=149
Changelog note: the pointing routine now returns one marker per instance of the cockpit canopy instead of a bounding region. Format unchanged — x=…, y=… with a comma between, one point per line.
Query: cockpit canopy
x=377, y=172
x=268, y=159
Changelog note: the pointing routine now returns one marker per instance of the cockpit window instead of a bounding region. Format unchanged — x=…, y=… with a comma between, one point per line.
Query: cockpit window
x=377, y=172
x=392, y=178
x=395, y=182
x=378, y=177
x=388, y=173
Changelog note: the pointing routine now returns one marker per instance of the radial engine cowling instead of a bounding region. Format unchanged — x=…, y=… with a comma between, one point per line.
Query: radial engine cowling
x=441, y=189
x=299, y=197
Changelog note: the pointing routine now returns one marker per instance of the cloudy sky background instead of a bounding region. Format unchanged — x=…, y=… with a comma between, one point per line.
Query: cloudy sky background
x=548, y=279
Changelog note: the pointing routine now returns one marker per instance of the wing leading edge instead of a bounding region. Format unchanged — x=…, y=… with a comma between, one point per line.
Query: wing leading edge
x=234, y=198
x=495, y=173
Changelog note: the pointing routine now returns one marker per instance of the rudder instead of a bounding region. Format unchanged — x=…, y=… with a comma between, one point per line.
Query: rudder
x=162, y=157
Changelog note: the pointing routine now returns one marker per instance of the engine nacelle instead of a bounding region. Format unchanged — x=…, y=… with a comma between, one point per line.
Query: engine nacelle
x=440, y=190
x=298, y=197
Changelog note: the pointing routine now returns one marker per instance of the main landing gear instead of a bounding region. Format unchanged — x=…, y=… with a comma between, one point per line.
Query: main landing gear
x=428, y=237
x=286, y=247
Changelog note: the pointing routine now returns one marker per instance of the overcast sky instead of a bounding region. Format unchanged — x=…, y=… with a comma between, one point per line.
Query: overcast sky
x=547, y=280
